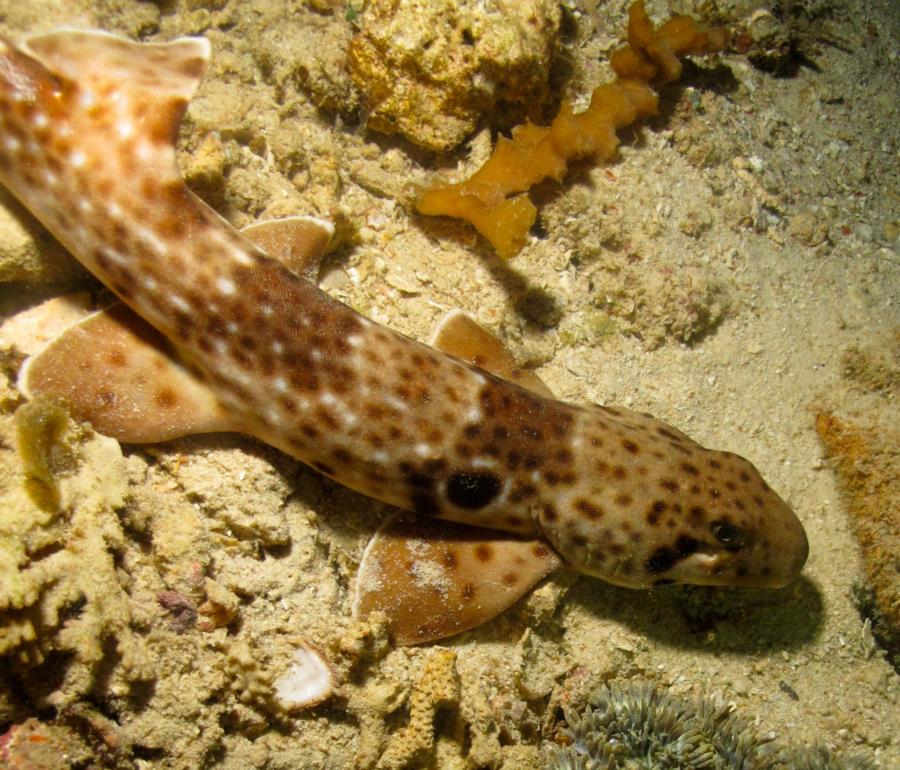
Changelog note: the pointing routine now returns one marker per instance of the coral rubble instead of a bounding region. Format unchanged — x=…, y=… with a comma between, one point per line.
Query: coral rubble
x=437, y=687
x=429, y=70
x=494, y=199
x=60, y=591
x=865, y=460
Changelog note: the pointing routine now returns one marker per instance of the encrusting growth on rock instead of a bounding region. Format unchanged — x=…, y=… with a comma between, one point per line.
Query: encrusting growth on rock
x=495, y=200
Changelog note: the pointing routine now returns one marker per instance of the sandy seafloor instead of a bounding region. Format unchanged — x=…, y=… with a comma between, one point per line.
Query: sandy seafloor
x=716, y=275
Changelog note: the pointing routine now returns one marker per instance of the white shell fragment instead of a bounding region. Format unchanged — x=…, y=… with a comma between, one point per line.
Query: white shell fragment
x=308, y=680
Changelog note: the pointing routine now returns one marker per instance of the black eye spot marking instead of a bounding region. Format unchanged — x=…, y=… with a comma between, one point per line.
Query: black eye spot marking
x=661, y=560
x=728, y=534
x=472, y=490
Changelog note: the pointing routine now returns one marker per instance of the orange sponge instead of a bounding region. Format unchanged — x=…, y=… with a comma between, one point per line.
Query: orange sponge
x=494, y=199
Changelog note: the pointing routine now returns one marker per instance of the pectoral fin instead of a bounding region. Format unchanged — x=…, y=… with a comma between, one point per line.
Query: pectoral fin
x=435, y=578
x=459, y=335
x=116, y=371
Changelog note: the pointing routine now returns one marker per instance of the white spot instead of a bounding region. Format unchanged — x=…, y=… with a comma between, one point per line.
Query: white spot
x=179, y=303
x=85, y=206
x=536, y=477
x=12, y=144
x=328, y=398
x=350, y=418
x=380, y=456
x=273, y=416
x=478, y=376
x=125, y=128
x=484, y=462
x=242, y=257
x=40, y=119
x=280, y=384
x=150, y=284
x=231, y=327
x=474, y=414
x=364, y=322
x=144, y=150
x=18, y=96
x=354, y=340
x=149, y=237
x=422, y=450
x=315, y=354
x=221, y=347
x=33, y=147
x=50, y=179
x=114, y=255
x=396, y=403
x=266, y=310
x=64, y=130
x=86, y=98
x=77, y=159
x=277, y=348
x=114, y=210
x=226, y=286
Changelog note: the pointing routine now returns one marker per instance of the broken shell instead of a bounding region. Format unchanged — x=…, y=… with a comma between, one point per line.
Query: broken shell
x=308, y=680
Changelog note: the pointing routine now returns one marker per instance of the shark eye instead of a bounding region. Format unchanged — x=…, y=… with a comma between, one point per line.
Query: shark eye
x=728, y=534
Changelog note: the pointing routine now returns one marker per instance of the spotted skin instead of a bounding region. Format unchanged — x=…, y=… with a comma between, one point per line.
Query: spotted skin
x=87, y=130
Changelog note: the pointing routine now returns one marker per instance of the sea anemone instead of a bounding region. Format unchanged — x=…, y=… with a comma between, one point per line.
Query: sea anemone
x=638, y=727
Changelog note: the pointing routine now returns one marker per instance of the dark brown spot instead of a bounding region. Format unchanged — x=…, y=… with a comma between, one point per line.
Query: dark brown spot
x=484, y=553
x=424, y=502
x=450, y=559
x=564, y=457
x=623, y=499
x=714, y=463
x=510, y=579
x=630, y=446
x=549, y=513
x=564, y=478
x=588, y=509
x=686, y=545
x=471, y=430
x=166, y=398
x=670, y=485
x=655, y=513
x=690, y=469
x=661, y=560
x=540, y=551
x=342, y=456
x=323, y=468
x=696, y=515
x=619, y=472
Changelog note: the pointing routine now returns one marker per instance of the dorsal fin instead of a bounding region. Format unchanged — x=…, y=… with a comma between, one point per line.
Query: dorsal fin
x=461, y=336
